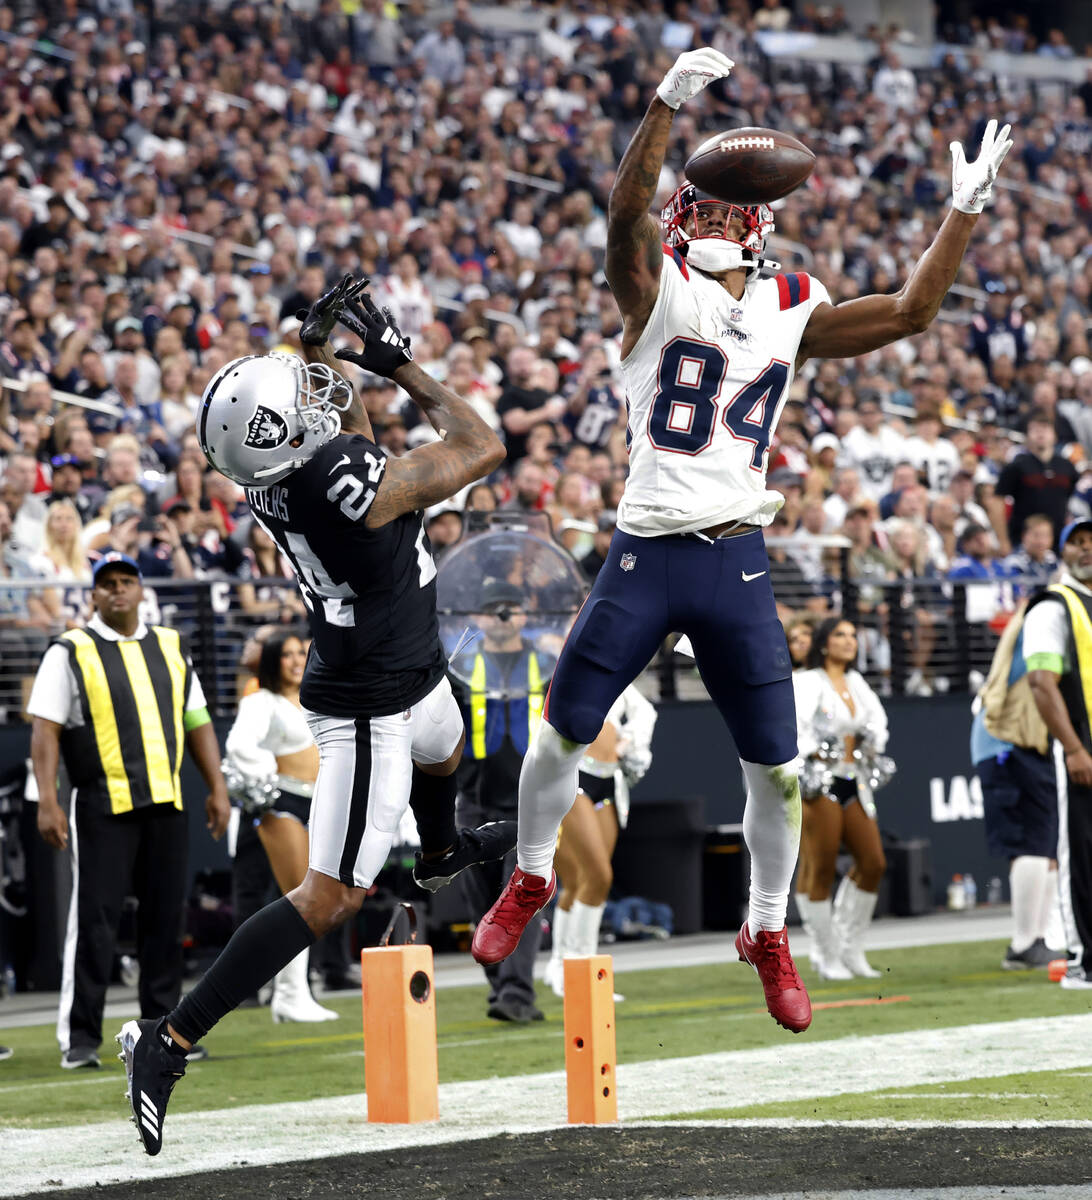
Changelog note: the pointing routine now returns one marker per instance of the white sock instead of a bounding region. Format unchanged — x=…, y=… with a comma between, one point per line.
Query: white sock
x=584, y=922
x=771, y=829
x=547, y=790
x=1027, y=883
x=560, y=933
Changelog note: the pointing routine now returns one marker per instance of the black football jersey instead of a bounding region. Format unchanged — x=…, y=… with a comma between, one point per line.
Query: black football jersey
x=370, y=593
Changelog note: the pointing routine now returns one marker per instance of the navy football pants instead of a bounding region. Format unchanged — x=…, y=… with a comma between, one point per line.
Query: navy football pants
x=719, y=593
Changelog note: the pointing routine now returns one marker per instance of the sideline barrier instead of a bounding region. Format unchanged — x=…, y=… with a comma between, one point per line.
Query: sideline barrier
x=591, y=1059
x=401, y=1069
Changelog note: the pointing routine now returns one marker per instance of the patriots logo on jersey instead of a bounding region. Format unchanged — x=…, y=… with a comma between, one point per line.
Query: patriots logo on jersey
x=266, y=429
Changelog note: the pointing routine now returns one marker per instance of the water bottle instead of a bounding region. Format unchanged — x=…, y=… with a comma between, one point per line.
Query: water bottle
x=993, y=891
x=957, y=895
x=970, y=889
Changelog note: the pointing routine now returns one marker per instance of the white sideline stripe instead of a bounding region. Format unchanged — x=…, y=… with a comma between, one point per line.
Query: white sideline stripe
x=80, y=1156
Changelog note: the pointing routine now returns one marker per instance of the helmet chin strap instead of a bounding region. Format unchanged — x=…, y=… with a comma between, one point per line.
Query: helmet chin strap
x=716, y=254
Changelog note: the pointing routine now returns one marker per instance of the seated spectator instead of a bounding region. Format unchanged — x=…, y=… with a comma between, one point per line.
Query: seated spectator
x=191, y=481
x=825, y=448
x=25, y=622
x=976, y=558
x=904, y=476
x=934, y=457
x=26, y=511
x=96, y=532
x=528, y=488
x=63, y=556
x=572, y=515
x=968, y=510
x=846, y=492
x=791, y=587
x=592, y=562
x=67, y=483
x=1034, y=560
x=160, y=556
x=444, y=526
x=260, y=597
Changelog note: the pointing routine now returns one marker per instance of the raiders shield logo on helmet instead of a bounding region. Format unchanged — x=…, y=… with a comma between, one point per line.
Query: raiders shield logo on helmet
x=266, y=430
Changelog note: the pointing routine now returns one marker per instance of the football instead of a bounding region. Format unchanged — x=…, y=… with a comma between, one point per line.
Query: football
x=749, y=165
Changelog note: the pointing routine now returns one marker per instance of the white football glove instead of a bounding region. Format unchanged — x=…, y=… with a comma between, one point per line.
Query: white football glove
x=972, y=183
x=693, y=71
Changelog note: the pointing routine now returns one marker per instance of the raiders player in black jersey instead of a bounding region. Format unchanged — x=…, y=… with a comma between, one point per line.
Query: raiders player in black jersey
x=349, y=519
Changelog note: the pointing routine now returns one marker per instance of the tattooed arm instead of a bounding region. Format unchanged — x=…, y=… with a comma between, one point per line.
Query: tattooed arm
x=355, y=419
x=634, y=247
x=470, y=450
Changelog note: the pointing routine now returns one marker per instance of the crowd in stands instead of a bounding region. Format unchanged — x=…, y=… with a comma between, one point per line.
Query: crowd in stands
x=173, y=189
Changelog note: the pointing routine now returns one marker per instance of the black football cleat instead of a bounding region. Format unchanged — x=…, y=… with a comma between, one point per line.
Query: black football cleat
x=473, y=846
x=151, y=1070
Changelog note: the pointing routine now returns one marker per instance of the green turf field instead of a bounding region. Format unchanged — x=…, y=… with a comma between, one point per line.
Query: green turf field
x=674, y=1013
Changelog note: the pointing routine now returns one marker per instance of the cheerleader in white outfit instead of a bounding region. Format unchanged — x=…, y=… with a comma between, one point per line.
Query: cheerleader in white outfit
x=838, y=713
x=274, y=759
x=616, y=760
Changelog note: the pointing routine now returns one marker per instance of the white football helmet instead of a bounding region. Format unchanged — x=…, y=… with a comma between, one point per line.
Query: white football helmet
x=265, y=415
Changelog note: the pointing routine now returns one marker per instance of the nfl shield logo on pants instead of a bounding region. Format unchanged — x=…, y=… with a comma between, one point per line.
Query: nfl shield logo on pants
x=627, y=562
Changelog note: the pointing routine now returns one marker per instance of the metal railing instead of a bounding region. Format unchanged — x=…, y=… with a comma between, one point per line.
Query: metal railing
x=917, y=635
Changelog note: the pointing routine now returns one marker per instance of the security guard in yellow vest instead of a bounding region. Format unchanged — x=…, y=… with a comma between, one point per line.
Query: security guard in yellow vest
x=1058, y=652
x=502, y=706
x=119, y=700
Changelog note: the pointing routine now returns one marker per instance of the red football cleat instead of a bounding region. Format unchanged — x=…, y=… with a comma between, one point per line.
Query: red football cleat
x=786, y=996
x=499, y=931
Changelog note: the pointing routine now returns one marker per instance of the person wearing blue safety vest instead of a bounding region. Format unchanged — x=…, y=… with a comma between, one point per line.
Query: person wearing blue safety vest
x=502, y=706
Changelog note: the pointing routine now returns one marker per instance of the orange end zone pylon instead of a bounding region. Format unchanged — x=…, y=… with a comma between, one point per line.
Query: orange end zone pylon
x=590, y=1057
x=401, y=1072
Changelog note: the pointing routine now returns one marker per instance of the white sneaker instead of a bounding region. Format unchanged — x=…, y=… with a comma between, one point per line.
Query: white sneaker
x=1074, y=981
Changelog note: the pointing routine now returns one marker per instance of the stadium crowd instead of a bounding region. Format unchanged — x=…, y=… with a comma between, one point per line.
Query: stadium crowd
x=177, y=181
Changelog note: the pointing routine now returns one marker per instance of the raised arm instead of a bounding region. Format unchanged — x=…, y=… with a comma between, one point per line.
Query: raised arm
x=859, y=326
x=469, y=449
x=634, y=254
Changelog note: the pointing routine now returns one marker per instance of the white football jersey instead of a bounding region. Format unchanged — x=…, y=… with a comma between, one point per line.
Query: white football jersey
x=706, y=384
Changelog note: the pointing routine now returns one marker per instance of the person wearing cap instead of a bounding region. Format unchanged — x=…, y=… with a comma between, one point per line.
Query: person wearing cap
x=118, y=701
x=501, y=709
x=1058, y=653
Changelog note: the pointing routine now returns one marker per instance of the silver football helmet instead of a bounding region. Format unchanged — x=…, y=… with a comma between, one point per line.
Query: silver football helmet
x=265, y=415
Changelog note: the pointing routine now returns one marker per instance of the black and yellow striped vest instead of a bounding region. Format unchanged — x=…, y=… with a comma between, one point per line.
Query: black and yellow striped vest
x=1076, y=684
x=132, y=694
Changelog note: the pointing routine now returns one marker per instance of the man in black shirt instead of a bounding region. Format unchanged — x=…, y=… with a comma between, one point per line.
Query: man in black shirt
x=374, y=692
x=1038, y=480
x=522, y=407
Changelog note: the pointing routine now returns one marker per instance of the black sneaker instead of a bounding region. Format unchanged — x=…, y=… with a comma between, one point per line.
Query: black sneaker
x=196, y=1053
x=519, y=1012
x=80, y=1057
x=480, y=845
x=5, y=1052
x=152, y=1070
x=1037, y=956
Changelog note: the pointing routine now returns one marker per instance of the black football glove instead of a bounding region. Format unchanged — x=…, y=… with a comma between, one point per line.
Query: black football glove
x=318, y=321
x=385, y=348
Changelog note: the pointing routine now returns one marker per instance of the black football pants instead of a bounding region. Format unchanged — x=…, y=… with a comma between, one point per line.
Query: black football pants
x=141, y=853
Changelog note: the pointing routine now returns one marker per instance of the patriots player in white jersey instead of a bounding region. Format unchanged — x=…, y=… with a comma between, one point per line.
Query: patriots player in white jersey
x=709, y=350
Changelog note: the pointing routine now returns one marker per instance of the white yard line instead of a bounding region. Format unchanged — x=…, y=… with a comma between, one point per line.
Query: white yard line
x=80, y=1156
